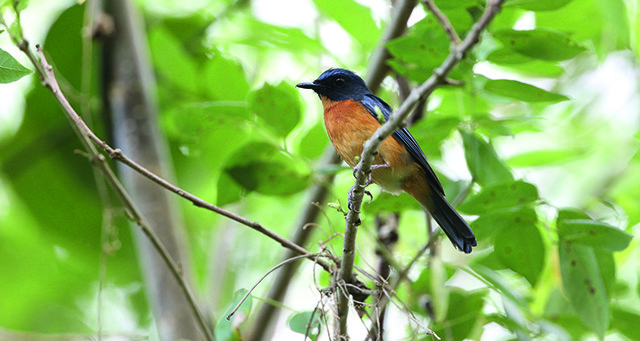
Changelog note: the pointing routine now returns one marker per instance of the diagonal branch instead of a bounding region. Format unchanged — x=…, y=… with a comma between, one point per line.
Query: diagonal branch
x=444, y=21
x=378, y=67
x=118, y=155
x=371, y=147
x=48, y=78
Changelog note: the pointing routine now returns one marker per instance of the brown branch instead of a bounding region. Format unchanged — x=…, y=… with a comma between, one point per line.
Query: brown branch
x=98, y=160
x=118, y=155
x=319, y=193
x=371, y=146
x=378, y=67
x=444, y=21
x=279, y=265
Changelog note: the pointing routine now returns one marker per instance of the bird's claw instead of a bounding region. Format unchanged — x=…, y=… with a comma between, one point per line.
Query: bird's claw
x=369, y=194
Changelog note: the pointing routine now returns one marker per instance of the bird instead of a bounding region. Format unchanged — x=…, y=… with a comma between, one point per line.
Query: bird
x=351, y=116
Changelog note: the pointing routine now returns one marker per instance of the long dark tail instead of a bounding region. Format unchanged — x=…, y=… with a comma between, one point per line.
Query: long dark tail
x=452, y=223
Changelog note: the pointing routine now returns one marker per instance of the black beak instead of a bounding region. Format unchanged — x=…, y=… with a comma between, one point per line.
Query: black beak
x=307, y=85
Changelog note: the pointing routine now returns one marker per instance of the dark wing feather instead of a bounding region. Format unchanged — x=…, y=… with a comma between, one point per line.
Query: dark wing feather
x=371, y=101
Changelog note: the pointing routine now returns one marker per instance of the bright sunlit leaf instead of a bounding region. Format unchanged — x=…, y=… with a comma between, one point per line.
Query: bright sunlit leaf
x=596, y=234
x=537, y=5
x=278, y=106
x=582, y=284
x=10, y=69
x=484, y=164
x=307, y=323
x=520, y=247
x=505, y=194
x=522, y=91
x=354, y=18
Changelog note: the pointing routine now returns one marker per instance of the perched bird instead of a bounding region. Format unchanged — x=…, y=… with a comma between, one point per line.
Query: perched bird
x=351, y=116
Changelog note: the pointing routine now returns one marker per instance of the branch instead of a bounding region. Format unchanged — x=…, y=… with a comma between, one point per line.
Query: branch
x=49, y=80
x=244, y=298
x=118, y=155
x=444, y=21
x=378, y=67
x=371, y=148
x=318, y=195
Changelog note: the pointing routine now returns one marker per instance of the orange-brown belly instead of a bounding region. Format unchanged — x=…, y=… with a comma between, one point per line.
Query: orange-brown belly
x=349, y=125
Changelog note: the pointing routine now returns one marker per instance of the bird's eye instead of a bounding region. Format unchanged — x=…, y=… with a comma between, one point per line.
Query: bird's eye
x=339, y=82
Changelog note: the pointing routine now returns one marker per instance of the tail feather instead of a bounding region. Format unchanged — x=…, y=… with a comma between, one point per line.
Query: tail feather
x=453, y=225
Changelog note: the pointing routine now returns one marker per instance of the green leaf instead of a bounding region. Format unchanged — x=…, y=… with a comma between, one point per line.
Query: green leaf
x=268, y=170
x=229, y=330
x=306, y=323
x=512, y=60
x=224, y=79
x=354, y=18
x=431, y=133
x=10, y=69
x=20, y=5
x=483, y=162
x=387, y=202
x=542, y=43
x=571, y=213
x=593, y=233
x=583, y=286
x=520, y=247
x=445, y=4
x=537, y=5
x=506, y=194
x=602, y=24
x=420, y=51
x=228, y=191
x=490, y=223
x=191, y=121
x=522, y=91
x=246, y=30
x=502, y=286
x=171, y=61
x=544, y=158
x=507, y=56
x=463, y=312
x=460, y=18
x=314, y=142
x=278, y=106
x=626, y=322
x=607, y=266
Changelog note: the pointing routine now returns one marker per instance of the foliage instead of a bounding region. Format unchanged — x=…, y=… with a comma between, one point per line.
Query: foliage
x=549, y=179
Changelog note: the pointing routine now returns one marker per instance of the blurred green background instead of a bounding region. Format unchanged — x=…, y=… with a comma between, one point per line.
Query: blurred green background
x=540, y=143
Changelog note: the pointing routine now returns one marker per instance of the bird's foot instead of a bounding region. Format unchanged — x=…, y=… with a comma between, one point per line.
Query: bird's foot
x=369, y=180
x=351, y=197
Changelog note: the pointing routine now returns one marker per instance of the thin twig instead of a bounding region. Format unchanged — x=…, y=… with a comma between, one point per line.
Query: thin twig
x=99, y=161
x=118, y=155
x=409, y=314
x=444, y=21
x=244, y=298
x=371, y=146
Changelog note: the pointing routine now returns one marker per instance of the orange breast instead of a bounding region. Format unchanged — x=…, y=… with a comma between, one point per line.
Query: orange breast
x=349, y=125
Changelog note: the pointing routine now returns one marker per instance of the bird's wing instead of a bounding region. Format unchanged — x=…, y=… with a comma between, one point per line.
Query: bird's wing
x=375, y=106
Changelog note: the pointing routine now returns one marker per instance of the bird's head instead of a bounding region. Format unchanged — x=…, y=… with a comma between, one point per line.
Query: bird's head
x=338, y=85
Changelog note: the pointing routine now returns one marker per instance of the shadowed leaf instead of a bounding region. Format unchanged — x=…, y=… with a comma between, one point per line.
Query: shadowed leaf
x=546, y=44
